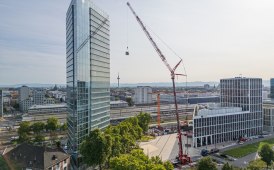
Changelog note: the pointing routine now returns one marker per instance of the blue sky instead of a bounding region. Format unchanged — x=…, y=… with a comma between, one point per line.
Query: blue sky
x=216, y=39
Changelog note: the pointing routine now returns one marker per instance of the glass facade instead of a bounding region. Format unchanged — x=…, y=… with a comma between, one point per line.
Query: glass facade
x=268, y=113
x=245, y=93
x=242, y=93
x=88, y=72
x=1, y=103
x=272, y=88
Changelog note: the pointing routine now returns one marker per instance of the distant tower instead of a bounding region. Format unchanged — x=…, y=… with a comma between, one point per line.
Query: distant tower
x=118, y=78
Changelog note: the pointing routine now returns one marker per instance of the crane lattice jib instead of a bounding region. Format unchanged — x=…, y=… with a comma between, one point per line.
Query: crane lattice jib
x=151, y=39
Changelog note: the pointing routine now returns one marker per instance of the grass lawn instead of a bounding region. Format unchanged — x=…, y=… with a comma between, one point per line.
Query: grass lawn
x=248, y=149
x=3, y=164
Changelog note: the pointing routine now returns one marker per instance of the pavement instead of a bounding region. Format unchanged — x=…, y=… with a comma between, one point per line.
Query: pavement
x=160, y=146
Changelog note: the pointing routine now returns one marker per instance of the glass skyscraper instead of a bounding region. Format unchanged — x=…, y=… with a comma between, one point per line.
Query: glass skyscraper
x=88, y=73
x=272, y=88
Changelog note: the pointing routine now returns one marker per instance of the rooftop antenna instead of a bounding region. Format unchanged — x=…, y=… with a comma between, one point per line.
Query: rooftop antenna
x=118, y=78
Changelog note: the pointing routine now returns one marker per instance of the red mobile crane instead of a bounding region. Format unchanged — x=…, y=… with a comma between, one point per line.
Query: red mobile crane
x=183, y=158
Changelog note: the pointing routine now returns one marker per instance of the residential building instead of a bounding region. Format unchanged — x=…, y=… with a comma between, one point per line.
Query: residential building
x=24, y=93
x=25, y=104
x=29, y=157
x=268, y=116
x=88, y=72
x=143, y=95
x=1, y=103
x=240, y=114
x=25, y=100
x=38, y=96
x=272, y=88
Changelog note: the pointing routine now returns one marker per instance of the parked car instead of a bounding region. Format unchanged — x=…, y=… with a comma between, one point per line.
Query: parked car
x=204, y=152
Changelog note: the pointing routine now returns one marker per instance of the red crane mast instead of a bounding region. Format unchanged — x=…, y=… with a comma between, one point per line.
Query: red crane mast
x=184, y=159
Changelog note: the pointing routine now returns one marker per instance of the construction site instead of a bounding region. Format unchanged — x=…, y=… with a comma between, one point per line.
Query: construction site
x=157, y=147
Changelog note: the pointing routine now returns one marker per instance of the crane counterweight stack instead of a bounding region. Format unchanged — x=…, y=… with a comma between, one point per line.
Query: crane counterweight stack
x=183, y=158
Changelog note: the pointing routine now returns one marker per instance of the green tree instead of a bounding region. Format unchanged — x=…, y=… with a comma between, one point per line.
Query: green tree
x=256, y=165
x=23, y=131
x=16, y=106
x=206, y=163
x=37, y=127
x=58, y=144
x=39, y=138
x=64, y=127
x=52, y=124
x=137, y=160
x=129, y=101
x=168, y=165
x=266, y=154
x=227, y=166
x=143, y=121
x=94, y=149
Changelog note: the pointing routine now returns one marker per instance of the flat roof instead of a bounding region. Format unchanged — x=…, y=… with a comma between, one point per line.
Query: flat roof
x=48, y=106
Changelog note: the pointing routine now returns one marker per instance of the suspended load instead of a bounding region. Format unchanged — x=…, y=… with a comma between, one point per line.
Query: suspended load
x=127, y=52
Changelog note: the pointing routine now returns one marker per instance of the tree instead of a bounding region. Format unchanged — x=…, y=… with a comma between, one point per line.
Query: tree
x=37, y=127
x=95, y=149
x=143, y=121
x=23, y=131
x=227, y=167
x=39, y=138
x=64, y=127
x=256, y=165
x=58, y=144
x=266, y=154
x=129, y=101
x=52, y=124
x=137, y=160
x=168, y=165
x=206, y=163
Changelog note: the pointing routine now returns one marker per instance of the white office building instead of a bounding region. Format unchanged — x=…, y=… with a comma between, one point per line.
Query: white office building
x=268, y=116
x=240, y=114
x=143, y=95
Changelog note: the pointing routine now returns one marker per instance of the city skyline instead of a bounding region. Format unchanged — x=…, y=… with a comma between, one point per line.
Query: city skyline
x=239, y=38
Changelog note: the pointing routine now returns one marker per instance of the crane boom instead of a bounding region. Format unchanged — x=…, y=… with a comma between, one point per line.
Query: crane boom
x=150, y=38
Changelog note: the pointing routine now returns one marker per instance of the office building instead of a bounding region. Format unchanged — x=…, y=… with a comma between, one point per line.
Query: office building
x=1, y=104
x=240, y=114
x=272, y=88
x=88, y=72
x=268, y=116
x=142, y=95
